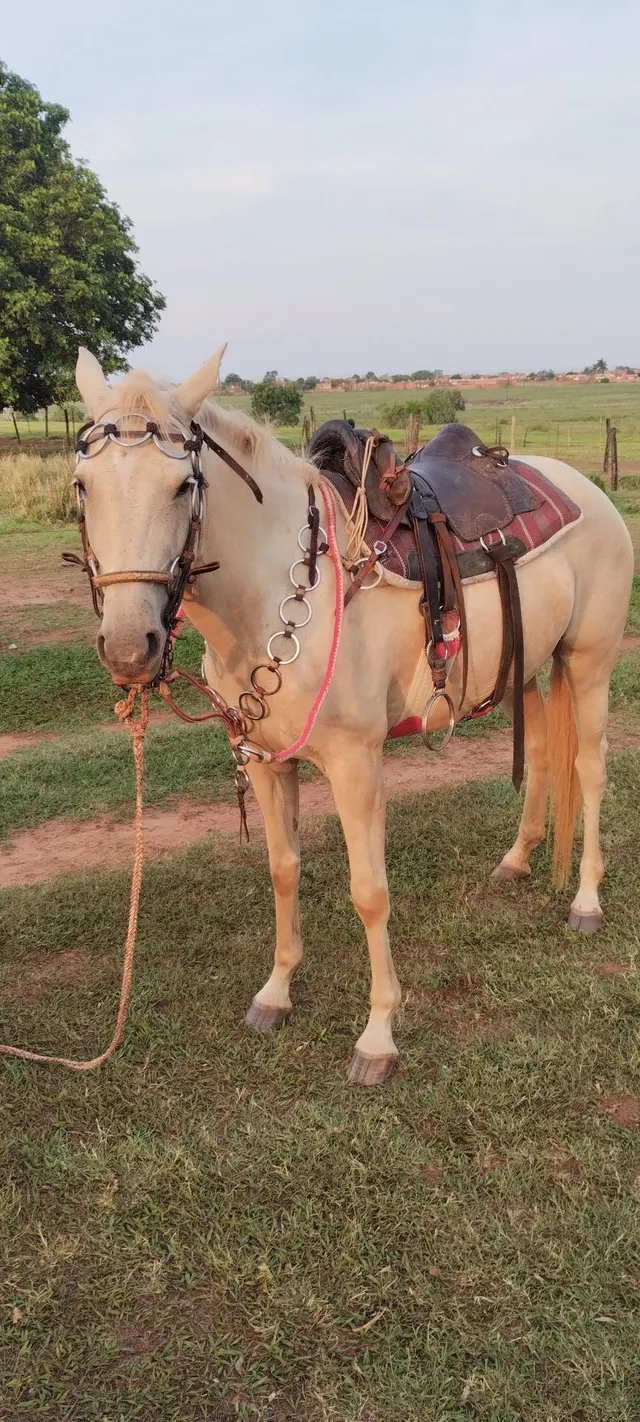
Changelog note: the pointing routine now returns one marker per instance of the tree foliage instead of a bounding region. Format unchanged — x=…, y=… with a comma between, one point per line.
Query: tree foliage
x=68, y=269
x=439, y=408
x=598, y=368
x=281, y=403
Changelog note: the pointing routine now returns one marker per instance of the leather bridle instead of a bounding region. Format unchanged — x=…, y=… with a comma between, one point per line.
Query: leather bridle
x=92, y=439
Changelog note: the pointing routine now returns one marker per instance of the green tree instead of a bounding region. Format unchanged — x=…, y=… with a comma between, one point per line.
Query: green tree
x=68, y=269
x=422, y=375
x=281, y=403
x=232, y=378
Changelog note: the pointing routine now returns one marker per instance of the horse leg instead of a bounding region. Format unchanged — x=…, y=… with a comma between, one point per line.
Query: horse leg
x=277, y=794
x=531, y=831
x=356, y=781
x=589, y=686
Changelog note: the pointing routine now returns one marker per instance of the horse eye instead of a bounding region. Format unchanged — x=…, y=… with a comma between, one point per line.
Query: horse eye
x=185, y=487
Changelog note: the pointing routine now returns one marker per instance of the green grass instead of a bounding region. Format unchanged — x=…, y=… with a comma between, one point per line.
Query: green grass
x=80, y=776
x=217, y=1225
x=67, y=688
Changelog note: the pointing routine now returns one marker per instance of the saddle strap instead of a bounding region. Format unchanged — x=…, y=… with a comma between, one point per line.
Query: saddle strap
x=375, y=554
x=430, y=600
x=453, y=590
x=512, y=651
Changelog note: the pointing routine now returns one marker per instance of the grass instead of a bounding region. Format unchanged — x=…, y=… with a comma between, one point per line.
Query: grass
x=81, y=776
x=37, y=487
x=216, y=1225
x=67, y=688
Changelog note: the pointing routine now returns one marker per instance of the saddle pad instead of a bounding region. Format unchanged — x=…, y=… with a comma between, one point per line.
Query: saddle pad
x=526, y=533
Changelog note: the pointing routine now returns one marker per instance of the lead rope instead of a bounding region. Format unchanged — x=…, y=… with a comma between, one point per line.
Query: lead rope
x=356, y=524
x=125, y=711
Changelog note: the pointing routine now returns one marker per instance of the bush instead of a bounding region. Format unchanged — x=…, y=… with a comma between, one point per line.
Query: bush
x=281, y=403
x=33, y=486
x=439, y=408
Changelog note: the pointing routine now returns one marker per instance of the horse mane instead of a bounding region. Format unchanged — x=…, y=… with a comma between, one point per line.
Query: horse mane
x=139, y=394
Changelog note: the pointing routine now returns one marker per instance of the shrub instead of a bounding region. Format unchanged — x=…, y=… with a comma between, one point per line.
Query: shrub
x=439, y=408
x=281, y=403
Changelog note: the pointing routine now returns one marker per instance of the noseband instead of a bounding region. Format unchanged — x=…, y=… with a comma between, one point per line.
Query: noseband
x=92, y=439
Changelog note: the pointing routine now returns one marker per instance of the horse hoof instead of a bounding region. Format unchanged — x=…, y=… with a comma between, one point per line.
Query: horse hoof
x=585, y=922
x=265, y=1019
x=508, y=871
x=371, y=1071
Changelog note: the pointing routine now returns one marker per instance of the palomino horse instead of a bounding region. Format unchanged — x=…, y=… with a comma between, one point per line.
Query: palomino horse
x=574, y=600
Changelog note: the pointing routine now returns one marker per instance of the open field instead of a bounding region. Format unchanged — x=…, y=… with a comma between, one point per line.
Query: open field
x=563, y=420
x=217, y=1226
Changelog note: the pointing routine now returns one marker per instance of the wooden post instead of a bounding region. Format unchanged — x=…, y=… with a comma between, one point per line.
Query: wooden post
x=344, y=414
x=46, y=421
x=557, y=436
x=513, y=433
x=66, y=425
x=312, y=417
x=306, y=431
x=15, y=426
x=526, y=431
x=569, y=437
x=613, y=436
x=411, y=433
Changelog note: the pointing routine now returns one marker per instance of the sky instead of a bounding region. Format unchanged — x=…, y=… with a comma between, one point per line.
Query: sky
x=353, y=185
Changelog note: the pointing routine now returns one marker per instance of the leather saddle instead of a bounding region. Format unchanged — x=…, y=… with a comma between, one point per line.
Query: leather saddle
x=452, y=485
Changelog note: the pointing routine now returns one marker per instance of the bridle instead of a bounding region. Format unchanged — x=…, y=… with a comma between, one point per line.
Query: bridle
x=92, y=439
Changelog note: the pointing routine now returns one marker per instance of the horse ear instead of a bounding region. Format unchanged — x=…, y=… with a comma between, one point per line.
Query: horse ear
x=191, y=394
x=91, y=383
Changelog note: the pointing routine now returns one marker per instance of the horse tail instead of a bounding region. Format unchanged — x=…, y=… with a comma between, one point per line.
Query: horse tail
x=565, y=787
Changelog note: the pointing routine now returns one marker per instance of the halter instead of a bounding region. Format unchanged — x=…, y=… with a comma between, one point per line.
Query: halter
x=92, y=439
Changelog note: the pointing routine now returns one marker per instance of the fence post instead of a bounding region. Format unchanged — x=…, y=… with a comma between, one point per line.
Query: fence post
x=15, y=426
x=306, y=431
x=46, y=421
x=610, y=465
x=312, y=417
x=513, y=433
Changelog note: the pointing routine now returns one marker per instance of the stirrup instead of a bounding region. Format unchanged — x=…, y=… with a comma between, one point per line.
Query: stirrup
x=426, y=733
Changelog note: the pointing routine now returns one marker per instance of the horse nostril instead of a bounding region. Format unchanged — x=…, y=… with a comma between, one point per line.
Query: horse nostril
x=100, y=647
x=153, y=645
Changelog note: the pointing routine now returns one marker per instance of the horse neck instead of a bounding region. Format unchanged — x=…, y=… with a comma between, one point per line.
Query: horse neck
x=236, y=608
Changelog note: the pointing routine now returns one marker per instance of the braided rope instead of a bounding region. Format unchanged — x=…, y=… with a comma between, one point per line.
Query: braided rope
x=137, y=729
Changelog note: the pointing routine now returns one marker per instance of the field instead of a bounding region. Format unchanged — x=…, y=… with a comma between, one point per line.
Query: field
x=563, y=420
x=216, y=1225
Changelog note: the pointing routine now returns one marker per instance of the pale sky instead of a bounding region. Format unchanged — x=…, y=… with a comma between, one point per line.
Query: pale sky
x=348, y=185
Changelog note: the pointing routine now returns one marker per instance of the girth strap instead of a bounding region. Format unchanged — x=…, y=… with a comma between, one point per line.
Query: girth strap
x=512, y=651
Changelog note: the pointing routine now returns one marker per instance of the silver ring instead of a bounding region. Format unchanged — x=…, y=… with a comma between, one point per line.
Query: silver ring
x=322, y=533
x=296, y=584
x=492, y=545
x=477, y=451
x=367, y=587
x=282, y=661
x=299, y=600
x=131, y=443
x=99, y=446
x=426, y=733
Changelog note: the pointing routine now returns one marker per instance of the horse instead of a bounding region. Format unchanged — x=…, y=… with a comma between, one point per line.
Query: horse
x=137, y=506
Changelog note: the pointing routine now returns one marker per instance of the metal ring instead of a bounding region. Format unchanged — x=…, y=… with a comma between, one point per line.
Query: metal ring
x=299, y=563
x=492, y=545
x=284, y=661
x=305, y=529
x=479, y=453
x=243, y=702
x=299, y=601
x=82, y=454
x=367, y=587
x=438, y=696
x=261, y=690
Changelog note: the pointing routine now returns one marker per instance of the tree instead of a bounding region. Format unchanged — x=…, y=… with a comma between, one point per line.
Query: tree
x=440, y=408
x=232, y=378
x=598, y=368
x=68, y=268
x=270, y=378
x=422, y=375
x=281, y=403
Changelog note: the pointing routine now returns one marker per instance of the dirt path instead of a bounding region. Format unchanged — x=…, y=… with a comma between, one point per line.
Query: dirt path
x=73, y=846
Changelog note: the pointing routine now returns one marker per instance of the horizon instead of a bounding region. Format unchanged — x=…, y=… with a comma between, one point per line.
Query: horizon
x=356, y=188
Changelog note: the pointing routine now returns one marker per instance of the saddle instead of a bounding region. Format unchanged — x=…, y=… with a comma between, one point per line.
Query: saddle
x=452, y=490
